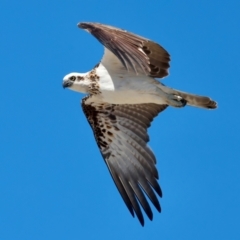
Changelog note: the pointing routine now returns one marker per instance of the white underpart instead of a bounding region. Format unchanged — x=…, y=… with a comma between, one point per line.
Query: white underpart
x=128, y=88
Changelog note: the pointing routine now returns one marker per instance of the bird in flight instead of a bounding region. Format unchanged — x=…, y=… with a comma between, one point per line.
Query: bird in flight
x=123, y=97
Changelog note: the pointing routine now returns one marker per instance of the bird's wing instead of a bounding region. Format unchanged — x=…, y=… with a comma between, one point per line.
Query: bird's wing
x=134, y=52
x=121, y=135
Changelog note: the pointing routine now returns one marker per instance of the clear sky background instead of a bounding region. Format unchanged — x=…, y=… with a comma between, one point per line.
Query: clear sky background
x=53, y=181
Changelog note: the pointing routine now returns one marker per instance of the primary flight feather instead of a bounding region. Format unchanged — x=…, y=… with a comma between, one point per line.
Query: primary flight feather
x=122, y=99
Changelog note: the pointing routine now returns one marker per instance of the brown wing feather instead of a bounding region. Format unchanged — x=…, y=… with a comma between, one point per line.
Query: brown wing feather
x=135, y=52
x=121, y=134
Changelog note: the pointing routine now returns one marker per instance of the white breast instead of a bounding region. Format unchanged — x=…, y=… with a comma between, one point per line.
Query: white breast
x=125, y=88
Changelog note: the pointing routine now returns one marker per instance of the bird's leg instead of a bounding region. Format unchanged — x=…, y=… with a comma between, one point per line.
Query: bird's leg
x=175, y=100
x=171, y=98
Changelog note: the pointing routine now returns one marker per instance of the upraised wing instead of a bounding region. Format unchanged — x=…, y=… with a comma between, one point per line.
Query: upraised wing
x=121, y=135
x=135, y=53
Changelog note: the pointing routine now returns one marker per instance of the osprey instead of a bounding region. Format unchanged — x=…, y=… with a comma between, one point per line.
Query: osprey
x=122, y=99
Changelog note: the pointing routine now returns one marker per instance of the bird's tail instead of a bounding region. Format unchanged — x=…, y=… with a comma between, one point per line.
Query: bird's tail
x=188, y=98
x=197, y=101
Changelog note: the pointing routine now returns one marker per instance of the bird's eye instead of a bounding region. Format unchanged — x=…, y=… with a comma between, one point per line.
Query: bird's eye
x=73, y=78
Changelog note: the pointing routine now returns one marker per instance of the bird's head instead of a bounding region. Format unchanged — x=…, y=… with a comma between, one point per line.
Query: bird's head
x=76, y=82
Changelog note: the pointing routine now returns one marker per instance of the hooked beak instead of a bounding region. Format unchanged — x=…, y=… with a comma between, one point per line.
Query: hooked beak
x=67, y=83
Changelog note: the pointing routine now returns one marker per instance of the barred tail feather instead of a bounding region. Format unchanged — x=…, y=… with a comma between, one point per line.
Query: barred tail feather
x=198, y=101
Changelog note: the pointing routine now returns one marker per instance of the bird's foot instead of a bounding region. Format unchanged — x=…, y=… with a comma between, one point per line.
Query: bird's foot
x=176, y=101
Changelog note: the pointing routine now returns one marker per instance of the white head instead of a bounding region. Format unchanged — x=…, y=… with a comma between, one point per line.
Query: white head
x=76, y=82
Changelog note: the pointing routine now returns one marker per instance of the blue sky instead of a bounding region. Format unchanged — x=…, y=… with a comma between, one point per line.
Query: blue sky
x=53, y=181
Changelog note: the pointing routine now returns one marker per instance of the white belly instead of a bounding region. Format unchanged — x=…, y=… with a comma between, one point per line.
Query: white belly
x=120, y=89
x=130, y=97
